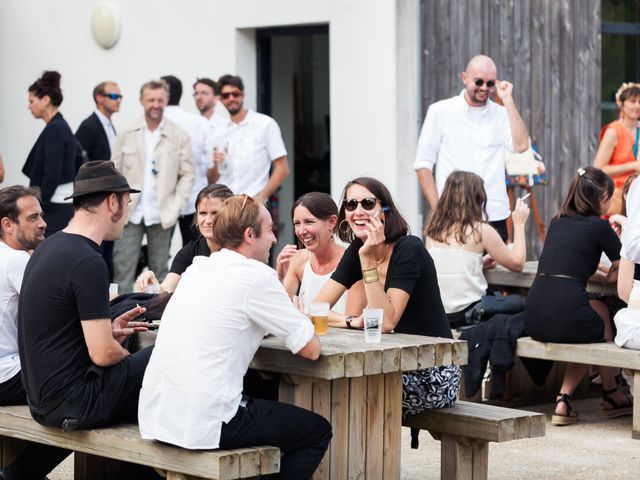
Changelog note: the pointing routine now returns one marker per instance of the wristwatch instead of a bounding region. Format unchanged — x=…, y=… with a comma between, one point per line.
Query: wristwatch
x=348, y=321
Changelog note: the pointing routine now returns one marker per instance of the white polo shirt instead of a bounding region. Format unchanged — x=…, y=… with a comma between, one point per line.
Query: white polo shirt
x=456, y=136
x=12, y=265
x=253, y=144
x=211, y=328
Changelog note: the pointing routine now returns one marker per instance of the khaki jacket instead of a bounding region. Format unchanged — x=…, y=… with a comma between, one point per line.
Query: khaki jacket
x=176, y=172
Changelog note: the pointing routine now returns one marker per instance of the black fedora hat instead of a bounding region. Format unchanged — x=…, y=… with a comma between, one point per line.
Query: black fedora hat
x=99, y=176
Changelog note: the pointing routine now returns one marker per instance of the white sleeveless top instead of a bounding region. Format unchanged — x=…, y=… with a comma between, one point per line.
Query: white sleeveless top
x=460, y=277
x=311, y=285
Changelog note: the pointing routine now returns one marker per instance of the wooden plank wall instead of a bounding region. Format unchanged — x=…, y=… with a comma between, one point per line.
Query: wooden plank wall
x=550, y=50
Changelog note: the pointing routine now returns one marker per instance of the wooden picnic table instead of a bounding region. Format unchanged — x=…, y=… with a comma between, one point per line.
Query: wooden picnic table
x=501, y=277
x=357, y=386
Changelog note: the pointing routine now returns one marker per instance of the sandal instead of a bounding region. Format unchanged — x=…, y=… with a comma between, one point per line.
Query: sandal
x=570, y=418
x=617, y=410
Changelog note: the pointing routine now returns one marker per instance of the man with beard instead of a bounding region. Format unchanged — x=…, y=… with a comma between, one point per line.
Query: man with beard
x=469, y=132
x=247, y=146
x=21, y=230
x=155, y=156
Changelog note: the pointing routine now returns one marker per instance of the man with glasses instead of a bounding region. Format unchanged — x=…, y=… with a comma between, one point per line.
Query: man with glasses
x=155, y=156
x=97, y=135
x=247, y=146
x=469, y=132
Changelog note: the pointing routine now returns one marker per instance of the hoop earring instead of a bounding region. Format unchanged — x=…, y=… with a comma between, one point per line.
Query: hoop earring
x=342, y=230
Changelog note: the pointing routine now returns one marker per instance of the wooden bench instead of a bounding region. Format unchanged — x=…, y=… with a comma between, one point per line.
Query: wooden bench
x=123, y=443
x=465, y=429
x=604, y=354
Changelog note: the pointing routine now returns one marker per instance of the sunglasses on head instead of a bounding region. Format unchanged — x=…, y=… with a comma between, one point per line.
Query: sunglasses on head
x=368, y=203
x=226, y=95
x=112, y=96
x=480, y=82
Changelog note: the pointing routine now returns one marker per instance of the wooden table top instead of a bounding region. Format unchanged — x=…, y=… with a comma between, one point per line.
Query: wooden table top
x=345, y=354
x=500, y=276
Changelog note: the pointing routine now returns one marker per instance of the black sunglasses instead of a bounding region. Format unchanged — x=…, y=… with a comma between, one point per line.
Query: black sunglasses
x=112, y=96
x=227, y=95
x=480, y=82
x=368, y=203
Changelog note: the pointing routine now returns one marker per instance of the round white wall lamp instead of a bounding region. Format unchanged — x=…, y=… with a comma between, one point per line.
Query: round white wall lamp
x=105, y=24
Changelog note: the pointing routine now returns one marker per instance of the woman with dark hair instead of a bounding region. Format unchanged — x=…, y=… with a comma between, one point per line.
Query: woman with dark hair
x=457, y=235
x=398, y=276
x=304, y=272
x=558, y=308
x=208, y=202
x=51, y=164
x=617, y=154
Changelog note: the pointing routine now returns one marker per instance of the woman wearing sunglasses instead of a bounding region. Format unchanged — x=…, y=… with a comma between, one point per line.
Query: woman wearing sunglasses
x=304, y=272
x=457, y=235
x=398, y=276
x=51, y=164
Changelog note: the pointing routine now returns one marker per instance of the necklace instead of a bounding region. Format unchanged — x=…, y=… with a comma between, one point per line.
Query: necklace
x=378, y=262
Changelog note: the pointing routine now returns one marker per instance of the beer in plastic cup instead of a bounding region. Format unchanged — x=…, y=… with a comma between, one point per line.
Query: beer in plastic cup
x=319, y=314
x=372, y=318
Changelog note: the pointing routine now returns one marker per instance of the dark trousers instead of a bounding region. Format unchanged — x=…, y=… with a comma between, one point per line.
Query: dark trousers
x=501, y=227
x=186, y=228
x=57, y=216
x=302, y=436
x=12, y=392
x=105, y=396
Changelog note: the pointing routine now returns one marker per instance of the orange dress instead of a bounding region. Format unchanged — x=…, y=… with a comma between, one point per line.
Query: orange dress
x=623, y=153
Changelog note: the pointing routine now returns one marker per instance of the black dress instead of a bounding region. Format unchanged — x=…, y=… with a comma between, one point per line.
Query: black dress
x=557, y=308
x=412, y=270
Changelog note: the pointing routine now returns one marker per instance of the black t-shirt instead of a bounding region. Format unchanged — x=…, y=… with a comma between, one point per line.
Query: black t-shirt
x=574, y=245
x=410, y=269
x=66, y=280
x=184, y=257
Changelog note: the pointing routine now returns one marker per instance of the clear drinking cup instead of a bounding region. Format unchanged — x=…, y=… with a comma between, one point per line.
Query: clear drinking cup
x=372, y=318
x=319, y=314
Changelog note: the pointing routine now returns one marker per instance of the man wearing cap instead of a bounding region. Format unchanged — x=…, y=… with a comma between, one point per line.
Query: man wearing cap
x=469, y=132
x=155, y=156
x=75, y=370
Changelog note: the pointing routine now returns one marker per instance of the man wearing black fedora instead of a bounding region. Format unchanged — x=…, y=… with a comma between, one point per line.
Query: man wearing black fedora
x=75, y=370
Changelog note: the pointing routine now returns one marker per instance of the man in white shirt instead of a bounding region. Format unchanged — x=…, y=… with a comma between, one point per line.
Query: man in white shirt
x=198, y=130
x=247, y=147
x=155, y=157
x=224, y=305
x=205, y=96
x=469, y=132
x=22, y=229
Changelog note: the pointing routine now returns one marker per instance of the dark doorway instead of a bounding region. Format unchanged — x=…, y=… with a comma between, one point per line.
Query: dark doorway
x=293, y=88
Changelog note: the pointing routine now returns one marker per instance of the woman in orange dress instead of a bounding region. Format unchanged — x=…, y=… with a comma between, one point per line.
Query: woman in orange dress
x=618, y=151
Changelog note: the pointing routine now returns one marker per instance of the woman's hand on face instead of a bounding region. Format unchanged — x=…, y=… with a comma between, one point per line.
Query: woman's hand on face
x=520, y=212
x=284, y=259
x=375, y=235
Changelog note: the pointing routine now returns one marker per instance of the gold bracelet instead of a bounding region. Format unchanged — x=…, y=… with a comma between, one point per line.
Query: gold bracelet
x=370, y=275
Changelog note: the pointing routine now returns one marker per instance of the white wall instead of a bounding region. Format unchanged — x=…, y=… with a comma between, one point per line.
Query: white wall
x=370, y=104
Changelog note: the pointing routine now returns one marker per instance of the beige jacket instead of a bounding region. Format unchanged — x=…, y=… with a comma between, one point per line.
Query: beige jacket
x=176, y=172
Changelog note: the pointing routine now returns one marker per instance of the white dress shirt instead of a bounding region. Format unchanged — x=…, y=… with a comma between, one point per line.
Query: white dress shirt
x=12, y=265
x=198, y=129
x=147, y=207
x=211, y=328
x=253, y=144
x=457, y=136
x=108, y=128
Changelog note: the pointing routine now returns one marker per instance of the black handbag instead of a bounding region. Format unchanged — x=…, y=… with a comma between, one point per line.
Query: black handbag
x=490, y=305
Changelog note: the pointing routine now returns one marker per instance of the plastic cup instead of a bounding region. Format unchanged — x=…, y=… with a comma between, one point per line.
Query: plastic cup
x=319, y=314
x=152, y=288
x=113, y=290
x=372, y=324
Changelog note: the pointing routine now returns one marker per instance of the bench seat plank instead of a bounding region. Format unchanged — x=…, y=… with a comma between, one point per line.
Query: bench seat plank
x=123, y=443
x=480, y=421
